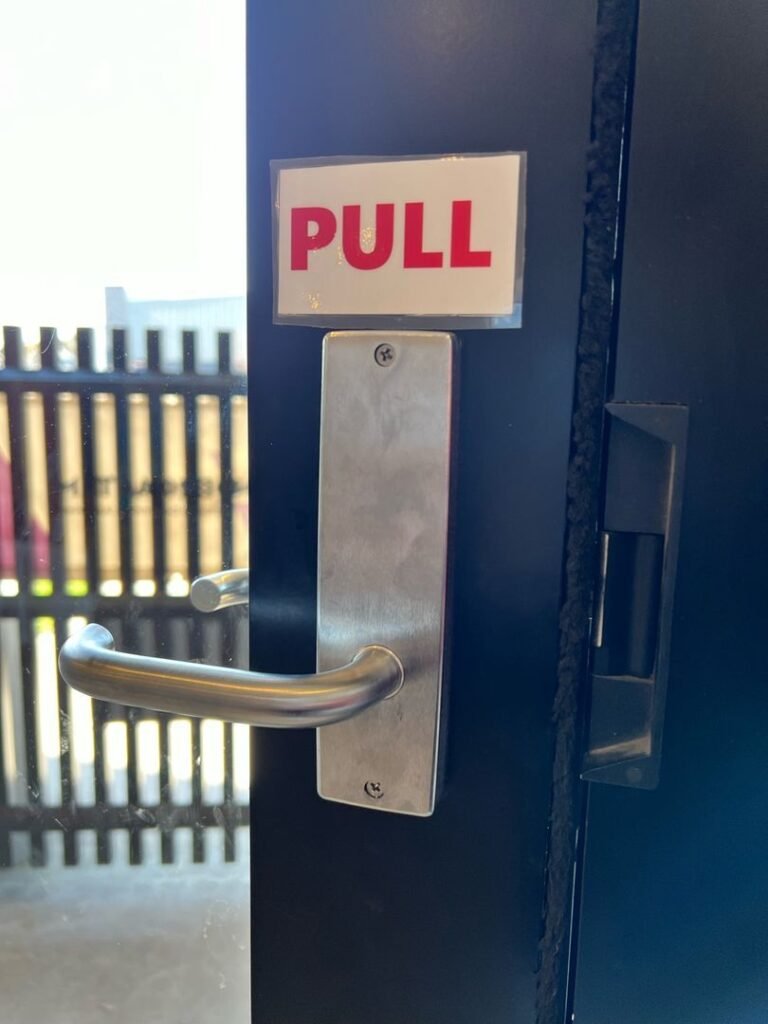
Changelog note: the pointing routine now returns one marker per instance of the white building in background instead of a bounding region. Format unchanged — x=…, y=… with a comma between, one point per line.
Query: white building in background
x=205, y=316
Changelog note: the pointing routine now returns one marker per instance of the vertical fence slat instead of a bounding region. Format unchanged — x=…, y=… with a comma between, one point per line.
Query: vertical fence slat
x=21, y=526
x=192, y=492
x=157, y=469
x=226, y=485
x=123, y=440
x=85, y=362
x=65, y=746
x=22, y=536
x=157, y=455
x=51, y=420
x=127, y=571
x=48, y=344
x=192, y=482
x=92, y=572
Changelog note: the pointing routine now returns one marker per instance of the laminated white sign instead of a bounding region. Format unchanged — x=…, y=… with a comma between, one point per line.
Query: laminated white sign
x=416, y=241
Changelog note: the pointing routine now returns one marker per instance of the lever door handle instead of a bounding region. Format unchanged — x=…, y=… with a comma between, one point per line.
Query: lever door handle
x=89, y=663
x=387, y=432
x=220, y=590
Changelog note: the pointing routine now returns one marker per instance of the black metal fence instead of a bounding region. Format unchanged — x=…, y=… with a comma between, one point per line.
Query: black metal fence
x=118, y=485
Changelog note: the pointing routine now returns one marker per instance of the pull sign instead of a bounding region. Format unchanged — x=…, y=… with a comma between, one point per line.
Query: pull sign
x=418, y=241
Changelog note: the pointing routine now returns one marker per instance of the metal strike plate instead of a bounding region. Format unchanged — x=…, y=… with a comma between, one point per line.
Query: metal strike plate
x=386, y=441
x=633, y=616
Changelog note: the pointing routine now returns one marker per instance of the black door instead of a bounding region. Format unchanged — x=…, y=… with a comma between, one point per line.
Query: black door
x=675, y=885
x=369, y=918
x=466, y=916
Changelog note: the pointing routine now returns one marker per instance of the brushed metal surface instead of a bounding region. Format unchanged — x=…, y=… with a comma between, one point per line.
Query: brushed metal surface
x=220, y=590
x=385, y=468
x=89, y=663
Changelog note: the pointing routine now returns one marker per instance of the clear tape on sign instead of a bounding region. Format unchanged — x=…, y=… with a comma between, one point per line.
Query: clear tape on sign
x=433, y=242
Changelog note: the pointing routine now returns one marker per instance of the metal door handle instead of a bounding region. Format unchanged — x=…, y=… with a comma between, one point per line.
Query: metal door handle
x=220, y=590
x=89, y=663
x=387, y=433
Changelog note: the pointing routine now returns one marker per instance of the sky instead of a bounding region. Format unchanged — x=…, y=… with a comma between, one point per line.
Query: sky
x=122, y=154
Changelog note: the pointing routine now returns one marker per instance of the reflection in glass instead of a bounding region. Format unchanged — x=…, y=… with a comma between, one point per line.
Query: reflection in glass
x=118, y=828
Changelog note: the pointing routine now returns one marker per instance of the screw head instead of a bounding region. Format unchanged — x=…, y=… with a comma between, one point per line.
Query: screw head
x=384, y=354
x=374, y=790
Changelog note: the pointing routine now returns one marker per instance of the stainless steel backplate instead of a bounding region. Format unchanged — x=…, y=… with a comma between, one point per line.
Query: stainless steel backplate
x=387, y=435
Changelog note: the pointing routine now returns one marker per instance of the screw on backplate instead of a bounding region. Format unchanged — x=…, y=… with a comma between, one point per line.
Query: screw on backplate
x=374, y=790
x=384, y=355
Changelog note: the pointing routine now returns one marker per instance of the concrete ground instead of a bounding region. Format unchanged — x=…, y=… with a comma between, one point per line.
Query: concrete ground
x=125, y=945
